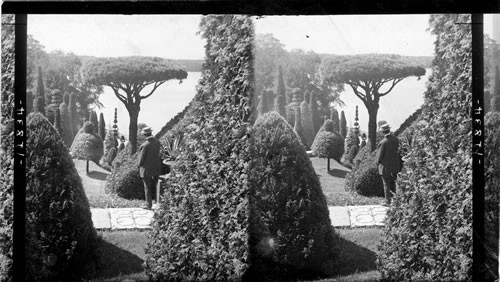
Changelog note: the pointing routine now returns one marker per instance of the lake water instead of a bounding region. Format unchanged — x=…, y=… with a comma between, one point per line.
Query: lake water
x=171, y=98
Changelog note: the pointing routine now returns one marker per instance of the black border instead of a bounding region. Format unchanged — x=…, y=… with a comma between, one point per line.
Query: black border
x=18, y=232
x=261, y=7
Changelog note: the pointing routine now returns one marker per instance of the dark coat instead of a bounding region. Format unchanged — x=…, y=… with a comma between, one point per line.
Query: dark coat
x=388, y=159
x=149, y=157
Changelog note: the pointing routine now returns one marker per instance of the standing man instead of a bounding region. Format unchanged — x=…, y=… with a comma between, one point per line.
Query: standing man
x=388, y=161
x=149, y=164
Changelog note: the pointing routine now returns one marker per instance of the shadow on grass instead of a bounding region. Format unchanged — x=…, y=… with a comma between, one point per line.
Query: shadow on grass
x=338, y=173
x=353, y=258
x=115, y=261
x=97, y=175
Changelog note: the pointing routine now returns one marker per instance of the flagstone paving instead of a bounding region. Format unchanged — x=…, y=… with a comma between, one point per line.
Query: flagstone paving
x=138, y=218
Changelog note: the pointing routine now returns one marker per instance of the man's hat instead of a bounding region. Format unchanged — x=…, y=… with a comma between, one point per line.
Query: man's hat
x=146, y=130
x=383, y=125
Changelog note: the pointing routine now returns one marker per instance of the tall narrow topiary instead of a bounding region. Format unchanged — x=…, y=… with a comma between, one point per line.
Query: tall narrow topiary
x=307, y=124
x=115, y=124
x=428, y=230
x=334, y=116
x=351, y=147
x=87, y=145
x=291, y=236
x=298, y=125
x=102, y=126
x=110, y=149
x=200, y=231
x=40, y=94
x=280, y=101
x=60, y=237
x=93, y=119
x=66, y=124
x=50, y=110
x=343, y=125
x=313, y=107
x=73, y=114
x=264, y=105
x=57, y=122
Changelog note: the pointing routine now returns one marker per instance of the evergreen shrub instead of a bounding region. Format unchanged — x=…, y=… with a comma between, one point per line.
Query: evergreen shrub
x=126, y=181
x=364, y=178
x=491, y=191
x=200, y=231
x=87, y=145
x=328, y=145
x=290, y=230
x=307, y=124
x=60, y=237
x=351, y=148
x=428, y=229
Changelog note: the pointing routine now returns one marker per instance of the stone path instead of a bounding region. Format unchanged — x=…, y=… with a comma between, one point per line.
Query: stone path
x=137, y=218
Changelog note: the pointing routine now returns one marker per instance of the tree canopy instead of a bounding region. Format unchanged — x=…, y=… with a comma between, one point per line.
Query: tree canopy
x=128, y=77
x=367, y=74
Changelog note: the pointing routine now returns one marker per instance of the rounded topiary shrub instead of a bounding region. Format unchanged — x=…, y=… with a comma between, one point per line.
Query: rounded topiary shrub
x=60, y=237
x=87, y=145
x=290, y=233
x=126, y=181
x=351, y=148
x=124, y=155
x=364, y=178
x=328, y=145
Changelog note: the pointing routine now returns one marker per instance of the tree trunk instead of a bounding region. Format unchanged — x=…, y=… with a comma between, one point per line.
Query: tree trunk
x=328, y=166
x=132, y=129
x=372, y=126
x=87, y=166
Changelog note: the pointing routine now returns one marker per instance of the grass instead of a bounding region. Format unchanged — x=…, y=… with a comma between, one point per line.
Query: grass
x=94, y=184
x=122, y=252
x=333, y=183
x=122, y=256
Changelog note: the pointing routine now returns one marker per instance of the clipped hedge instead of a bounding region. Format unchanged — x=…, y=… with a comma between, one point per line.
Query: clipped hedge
x=126, y=181
x=200, y=230
x=60, y=237
x=364, y=178
x=428, y=229
x=290, y=231
x=492, y=183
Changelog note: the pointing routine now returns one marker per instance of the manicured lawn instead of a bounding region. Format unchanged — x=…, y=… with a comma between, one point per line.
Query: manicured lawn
x=122, y=256
x=333, y=183
x=94, y=184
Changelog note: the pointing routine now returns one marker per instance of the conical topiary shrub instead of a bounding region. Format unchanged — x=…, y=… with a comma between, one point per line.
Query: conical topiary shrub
x=67, y=126
x=290, y=233
x=307, y=124
x=87, y=145
x=60, y=237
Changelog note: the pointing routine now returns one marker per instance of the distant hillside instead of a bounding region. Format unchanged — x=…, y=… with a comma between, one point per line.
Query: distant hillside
x=190, y=65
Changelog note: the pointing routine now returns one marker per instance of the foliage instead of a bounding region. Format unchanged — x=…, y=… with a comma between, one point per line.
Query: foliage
x=343, y=124
x=60, y=238
x=334, y=116
x=126, y=181
x=280, y=101
x=7, y=147
x=431, y=214
x=57, y=122
x=269, y=53
x=125, y=154
x=173, y=121
x=328, y=145
x=351, y=147
x=328, y=126
x=172, y=147
x=366, y=74
x=102, y=126
x=492, y=182
x=73, y=114
x=411, y=119
x=87, y=145
x=67, y=128
x=313, y=108
x=265, y=101
x=128, y=76
x=200, y=230
x=299, y=130
x=307, y=124
x=110, y=148
x=93, y=119
x=290, y=112
x=290, y=233
x=40, y=94
x=364, y=178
